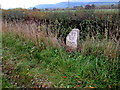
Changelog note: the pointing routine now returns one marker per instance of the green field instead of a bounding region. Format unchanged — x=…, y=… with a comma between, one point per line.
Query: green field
x=96, y=10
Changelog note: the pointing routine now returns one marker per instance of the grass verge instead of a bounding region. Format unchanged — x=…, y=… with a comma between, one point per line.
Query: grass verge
x=24, y=65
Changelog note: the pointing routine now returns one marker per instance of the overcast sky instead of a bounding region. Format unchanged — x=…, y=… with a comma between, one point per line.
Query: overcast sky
x=29, y=3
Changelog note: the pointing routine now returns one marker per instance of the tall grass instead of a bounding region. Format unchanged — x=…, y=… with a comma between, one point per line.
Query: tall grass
x=43, y=37
x=32, y=32
x=106, y=48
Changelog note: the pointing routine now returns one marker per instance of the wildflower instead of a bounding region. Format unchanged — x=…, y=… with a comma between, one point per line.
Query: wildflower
x=64, y=77
x=91, y=87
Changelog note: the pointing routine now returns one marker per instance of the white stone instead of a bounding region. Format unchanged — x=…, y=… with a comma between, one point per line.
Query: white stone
x=72, y=39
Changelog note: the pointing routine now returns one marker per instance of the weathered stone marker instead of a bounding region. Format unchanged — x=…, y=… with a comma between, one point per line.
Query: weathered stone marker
x=72, y=39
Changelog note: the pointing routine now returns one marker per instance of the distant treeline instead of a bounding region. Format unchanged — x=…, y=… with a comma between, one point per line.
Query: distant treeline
x=88, y=6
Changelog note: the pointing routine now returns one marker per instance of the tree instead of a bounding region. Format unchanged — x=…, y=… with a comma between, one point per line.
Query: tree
x=93, y=6
x=34, y=8
x=87, y=6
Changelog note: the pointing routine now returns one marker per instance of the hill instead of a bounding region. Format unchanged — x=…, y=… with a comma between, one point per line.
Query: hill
x=72, y=4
